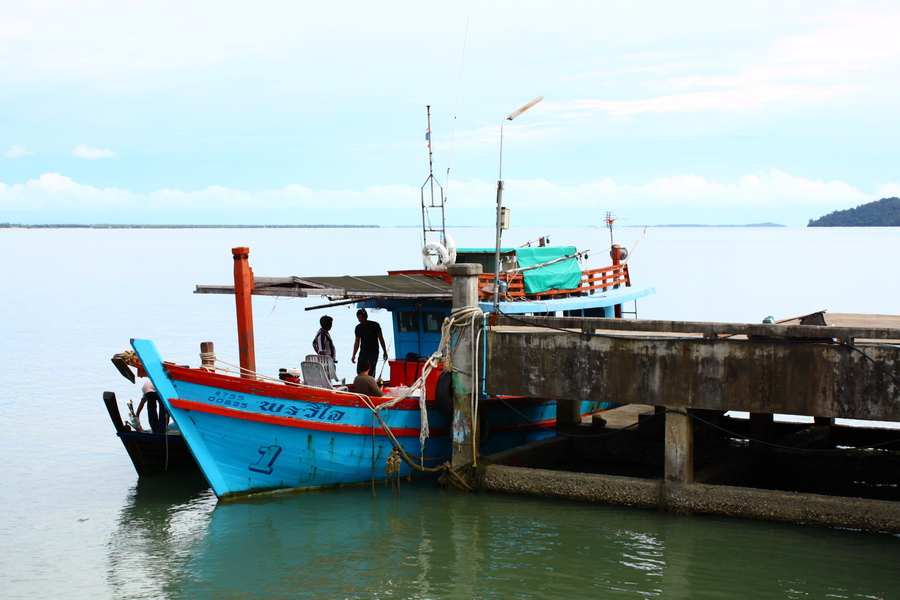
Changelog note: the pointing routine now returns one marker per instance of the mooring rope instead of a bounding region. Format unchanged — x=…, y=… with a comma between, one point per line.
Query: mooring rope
x=464, y=317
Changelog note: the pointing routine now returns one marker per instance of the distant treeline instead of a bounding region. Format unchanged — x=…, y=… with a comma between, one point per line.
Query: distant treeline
x=699, y=225
x=880, y=213
x=105, y=226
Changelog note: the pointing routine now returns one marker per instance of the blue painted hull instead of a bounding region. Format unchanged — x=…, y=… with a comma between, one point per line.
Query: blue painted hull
x=251, y=436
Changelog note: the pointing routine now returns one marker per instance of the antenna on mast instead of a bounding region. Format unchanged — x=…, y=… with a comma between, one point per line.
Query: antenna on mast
x=609, y=220
x=432, y=207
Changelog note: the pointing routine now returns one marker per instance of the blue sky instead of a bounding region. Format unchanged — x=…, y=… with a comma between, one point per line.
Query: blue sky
x=303, y=112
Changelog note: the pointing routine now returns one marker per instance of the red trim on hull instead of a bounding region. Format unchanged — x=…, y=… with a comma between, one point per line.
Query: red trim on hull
x=300, y=393
x=278, y=390
x=293, y=422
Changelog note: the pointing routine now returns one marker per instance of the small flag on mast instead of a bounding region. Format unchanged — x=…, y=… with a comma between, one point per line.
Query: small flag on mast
x=428, y=137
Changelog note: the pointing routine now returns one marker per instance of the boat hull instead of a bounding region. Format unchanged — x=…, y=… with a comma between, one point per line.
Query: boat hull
x=253, y=436
x=150, y=453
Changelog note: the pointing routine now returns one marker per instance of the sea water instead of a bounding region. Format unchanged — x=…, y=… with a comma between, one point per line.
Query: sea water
x=78, y=523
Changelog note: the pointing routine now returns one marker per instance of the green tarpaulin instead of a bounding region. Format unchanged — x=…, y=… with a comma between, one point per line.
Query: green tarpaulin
x=562, y=275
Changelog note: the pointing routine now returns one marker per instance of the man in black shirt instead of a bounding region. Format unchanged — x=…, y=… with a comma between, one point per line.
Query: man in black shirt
x=368, y=336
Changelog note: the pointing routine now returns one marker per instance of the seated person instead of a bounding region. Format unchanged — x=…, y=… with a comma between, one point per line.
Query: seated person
x=365, y=383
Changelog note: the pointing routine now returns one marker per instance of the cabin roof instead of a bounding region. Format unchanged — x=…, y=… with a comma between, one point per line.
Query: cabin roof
x=349, y=287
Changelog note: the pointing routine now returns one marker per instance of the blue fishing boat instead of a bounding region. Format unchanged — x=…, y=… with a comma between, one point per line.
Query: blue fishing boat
x=250, y=432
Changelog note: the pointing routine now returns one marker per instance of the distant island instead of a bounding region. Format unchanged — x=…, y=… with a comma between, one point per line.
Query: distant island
x=880, y=213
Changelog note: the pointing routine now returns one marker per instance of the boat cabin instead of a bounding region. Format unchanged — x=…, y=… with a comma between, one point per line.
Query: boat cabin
x=534, y=280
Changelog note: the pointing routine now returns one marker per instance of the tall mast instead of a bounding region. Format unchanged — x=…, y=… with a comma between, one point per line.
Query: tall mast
x=432, y=207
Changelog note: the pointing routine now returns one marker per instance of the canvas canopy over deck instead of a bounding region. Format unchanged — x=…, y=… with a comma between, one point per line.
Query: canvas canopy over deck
x=532, y=286
x=347, y=287
x=544, y=280
x=419, y=301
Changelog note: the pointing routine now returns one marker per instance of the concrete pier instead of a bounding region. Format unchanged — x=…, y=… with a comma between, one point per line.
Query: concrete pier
x=820, y=371
x=683, y=452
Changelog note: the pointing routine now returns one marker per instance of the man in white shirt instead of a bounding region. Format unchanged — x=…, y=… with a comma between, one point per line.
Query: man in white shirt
x=322, y=343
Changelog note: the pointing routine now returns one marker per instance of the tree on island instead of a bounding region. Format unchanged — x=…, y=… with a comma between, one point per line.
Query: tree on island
x=880, y=213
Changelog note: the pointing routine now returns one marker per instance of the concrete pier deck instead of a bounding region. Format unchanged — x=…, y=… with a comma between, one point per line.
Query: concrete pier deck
x=673, y=446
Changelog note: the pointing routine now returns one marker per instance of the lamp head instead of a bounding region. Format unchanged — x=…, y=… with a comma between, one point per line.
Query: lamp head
x=515, y=114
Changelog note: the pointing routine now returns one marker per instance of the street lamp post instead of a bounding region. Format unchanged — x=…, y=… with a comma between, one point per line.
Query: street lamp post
x=512, y=116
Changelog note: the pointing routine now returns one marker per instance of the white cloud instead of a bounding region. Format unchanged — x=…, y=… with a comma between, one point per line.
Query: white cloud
x=853, y=41
x=85, y=151
x=850, y=52
x=17, y=151
x=889, y=190
x=771, y=196
x=770, y=189
x=52, y=191
x=740, y=97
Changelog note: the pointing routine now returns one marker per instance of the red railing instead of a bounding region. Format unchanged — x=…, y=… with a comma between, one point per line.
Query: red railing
x=595, y=279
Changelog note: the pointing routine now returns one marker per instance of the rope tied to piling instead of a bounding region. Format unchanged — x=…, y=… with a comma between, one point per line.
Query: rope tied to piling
x=459, y=318
x=392, y=463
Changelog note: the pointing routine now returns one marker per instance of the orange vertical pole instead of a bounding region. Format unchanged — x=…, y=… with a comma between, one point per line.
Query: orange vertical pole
x=243, y=290
x=616, y=255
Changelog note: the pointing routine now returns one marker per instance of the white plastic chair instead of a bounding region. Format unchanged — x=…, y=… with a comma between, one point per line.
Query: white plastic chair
x=314, y=375
x=326, y=361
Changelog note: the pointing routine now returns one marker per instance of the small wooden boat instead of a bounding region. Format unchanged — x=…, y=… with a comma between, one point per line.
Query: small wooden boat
x=150, y=453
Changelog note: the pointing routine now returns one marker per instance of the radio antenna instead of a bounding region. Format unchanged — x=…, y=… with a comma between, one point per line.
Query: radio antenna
x=433, y=220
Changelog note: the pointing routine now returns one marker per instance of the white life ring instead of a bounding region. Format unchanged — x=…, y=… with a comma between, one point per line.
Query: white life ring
x=442, y=255
x=450, y=245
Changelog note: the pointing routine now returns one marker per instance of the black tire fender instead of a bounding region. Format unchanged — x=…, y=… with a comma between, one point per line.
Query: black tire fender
x=443, y=394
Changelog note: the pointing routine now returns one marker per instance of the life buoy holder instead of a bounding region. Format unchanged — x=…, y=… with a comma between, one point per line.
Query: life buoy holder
x=446, y=254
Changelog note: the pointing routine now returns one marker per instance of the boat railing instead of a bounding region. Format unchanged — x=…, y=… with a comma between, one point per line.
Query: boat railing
x=592, y=280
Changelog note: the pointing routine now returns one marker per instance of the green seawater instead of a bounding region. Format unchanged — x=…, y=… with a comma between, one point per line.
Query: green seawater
x=78, y=523
x=419, y=541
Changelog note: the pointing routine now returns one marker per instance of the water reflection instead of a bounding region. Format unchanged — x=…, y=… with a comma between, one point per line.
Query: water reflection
x=163, y=519
x=423, y=542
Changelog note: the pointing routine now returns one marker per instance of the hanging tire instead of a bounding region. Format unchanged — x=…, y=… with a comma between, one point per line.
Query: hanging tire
x=443, y=394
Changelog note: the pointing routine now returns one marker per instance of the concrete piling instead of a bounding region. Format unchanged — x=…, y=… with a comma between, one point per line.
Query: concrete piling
x=465, y=368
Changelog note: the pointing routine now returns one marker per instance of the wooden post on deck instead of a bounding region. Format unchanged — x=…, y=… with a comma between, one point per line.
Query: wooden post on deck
x=207, y=356
x=465, y=371
x=243, y=290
